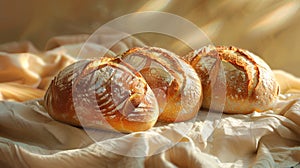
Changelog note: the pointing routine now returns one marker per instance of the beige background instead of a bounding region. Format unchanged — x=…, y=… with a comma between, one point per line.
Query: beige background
x=29, y=137
x=268, y=28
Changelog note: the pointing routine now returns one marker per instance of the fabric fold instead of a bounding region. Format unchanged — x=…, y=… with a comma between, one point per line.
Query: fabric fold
x=29, y=137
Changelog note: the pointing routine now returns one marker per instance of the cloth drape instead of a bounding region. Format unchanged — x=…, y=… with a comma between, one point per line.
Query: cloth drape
x=29, y=137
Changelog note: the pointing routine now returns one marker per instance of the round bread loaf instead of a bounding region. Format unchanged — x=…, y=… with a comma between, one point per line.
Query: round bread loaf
x=105, y=93
x=247, y=80
x=175, y=83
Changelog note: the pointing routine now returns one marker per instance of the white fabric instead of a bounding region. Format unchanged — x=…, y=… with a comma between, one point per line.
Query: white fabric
x=29, y=137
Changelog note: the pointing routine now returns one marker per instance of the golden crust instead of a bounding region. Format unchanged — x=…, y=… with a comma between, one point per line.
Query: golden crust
x=151, y=83
x=105, y=93
x=174, y=82
x=247, y=80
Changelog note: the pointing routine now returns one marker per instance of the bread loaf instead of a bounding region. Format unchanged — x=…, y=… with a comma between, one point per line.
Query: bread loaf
x=248, y=81
x=105, y=93
x=174, y=82
x=147, y=84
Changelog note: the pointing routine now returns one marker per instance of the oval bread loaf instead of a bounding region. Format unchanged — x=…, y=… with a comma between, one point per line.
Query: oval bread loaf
x=175, y=83
x=105, y=93
x=248, y=81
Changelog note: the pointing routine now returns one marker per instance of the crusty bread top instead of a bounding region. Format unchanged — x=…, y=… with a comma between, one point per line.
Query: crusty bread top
x=249, y=80
x=104, y=93
x=176, y=84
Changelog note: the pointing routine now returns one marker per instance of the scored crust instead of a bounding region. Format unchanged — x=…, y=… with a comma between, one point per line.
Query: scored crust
x=104, y=93
x=174, y=82
x=248, y=82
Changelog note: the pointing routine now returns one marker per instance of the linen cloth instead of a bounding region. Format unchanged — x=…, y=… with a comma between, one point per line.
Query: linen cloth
x=29, y=137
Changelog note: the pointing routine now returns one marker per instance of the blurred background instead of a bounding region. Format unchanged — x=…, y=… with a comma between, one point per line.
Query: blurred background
x=269, y=28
